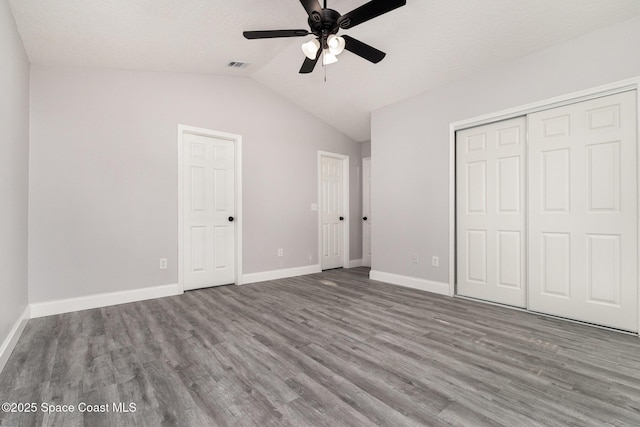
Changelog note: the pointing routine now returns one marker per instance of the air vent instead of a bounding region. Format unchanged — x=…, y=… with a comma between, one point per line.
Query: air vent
x=238, y=64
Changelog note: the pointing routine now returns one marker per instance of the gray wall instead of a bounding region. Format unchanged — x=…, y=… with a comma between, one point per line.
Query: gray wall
x=410, y=139
x=365, y=149
x=103, y=185
x=14, y=172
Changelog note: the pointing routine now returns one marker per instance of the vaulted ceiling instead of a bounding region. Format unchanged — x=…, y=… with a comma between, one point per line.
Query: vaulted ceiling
x=428, y=43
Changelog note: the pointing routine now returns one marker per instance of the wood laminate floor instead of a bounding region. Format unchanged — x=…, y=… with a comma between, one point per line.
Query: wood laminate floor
x=329, y=349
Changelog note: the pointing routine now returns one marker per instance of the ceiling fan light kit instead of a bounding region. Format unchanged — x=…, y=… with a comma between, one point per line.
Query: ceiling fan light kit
x=336, y=44
x=310, y=48
x=324, y=24
x=329, y=58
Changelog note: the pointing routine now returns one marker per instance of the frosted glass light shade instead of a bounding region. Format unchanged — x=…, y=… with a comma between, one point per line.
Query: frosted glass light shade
x=336, y=44
x=328, y=58
x=310, y=48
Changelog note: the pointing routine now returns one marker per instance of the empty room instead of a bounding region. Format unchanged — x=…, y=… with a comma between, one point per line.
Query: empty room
x=319, y=213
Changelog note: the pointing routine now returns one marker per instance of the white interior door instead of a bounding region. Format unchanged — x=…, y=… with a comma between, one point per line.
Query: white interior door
x=332, y=212
x=208, y=211
x=583, y=211
x=490, y=212
x=366, y=212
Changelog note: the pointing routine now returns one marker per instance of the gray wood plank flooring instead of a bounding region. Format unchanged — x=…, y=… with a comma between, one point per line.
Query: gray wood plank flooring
x=329, y=349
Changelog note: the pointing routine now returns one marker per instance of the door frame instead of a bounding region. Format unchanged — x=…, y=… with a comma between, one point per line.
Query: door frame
x=237, y=142
x=345, y=204
x=522, y=110
x=363, y=213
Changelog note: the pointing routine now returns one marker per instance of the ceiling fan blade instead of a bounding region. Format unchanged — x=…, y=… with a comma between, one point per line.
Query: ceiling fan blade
x=363, y=50
x=309, y=64
x=312, y=6
x=368, y=11
x=270, y=34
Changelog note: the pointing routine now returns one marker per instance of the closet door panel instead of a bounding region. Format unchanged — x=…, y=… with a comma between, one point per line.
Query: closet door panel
x=582, y=217
x=490, y=207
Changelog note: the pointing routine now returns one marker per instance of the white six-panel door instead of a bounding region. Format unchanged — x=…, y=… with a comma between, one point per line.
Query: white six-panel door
x=366, y=212
x=332, y=213
x=208, y=211
x=583, y=211
x=490, y=212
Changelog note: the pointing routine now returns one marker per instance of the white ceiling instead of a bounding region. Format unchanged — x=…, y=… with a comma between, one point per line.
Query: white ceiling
x=428, y=43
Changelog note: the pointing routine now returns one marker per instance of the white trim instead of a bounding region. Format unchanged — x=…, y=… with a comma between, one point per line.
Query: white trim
x=410, y=282
x=549, y=103
x=69, y=305
x=638, y=189
x=365, y=263
x=239, y=217
x=355, y=263
x=280, y=274
x=345, y=205
x=237, y=140
x=452, y=210
x=10, y=342
x=583, y=95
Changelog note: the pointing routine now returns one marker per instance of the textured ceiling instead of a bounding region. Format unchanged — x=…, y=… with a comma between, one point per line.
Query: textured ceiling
x=428, y=43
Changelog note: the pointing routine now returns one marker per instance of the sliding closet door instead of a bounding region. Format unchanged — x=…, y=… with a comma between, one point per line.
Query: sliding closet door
x=490, y=206
x=583, y=211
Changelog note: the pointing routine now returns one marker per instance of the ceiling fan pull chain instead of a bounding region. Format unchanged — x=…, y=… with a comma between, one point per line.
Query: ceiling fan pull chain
x=324, y=66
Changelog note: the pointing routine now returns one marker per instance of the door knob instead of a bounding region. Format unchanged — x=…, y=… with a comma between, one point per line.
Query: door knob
x=365, y=218
x=341, y=218
x=231, y=219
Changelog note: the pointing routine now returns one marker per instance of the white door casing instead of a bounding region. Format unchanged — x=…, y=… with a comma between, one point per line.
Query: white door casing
x=490, y=212
x=333, y=205
x=366, y=212
x=583, y=211
x=208, y=251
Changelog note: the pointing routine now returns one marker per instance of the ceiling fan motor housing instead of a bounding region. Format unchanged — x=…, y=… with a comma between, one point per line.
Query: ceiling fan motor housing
x=324, y=24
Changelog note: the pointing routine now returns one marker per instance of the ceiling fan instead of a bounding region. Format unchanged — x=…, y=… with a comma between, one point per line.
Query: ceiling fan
x=325, y=24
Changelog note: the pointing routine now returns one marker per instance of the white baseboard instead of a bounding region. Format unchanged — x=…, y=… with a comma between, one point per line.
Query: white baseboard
x=280, y=274
x=49, y=308
x=410, y=282
x=12, y=339
x=355, y=263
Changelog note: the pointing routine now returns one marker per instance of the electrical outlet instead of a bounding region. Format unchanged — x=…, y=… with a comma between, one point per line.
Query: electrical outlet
x=435, y=261
x=415, y=259
x=163, y=263
x=280, y=252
